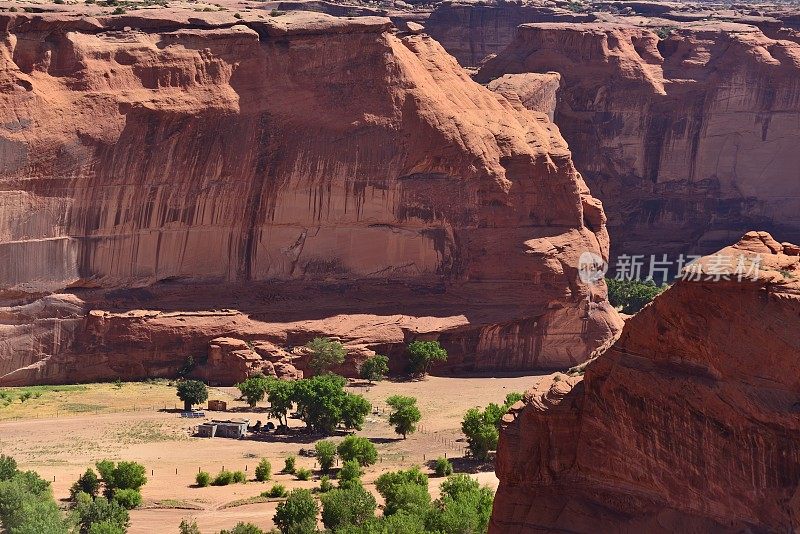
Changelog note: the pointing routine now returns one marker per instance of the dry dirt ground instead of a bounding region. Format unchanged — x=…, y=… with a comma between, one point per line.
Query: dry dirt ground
x=62, y=431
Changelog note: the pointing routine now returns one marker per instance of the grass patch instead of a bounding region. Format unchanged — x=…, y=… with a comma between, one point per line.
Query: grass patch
x=148, y=432
x=249, y=500
x=171, y=504
x=77, y=407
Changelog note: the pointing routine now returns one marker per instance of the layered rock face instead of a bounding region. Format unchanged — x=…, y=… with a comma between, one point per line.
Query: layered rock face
x=191, y=176
x=471, y=31
x=688, y=140
x=690, y=422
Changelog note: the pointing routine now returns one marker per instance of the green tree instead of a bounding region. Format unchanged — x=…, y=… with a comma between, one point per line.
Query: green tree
x=40, y=517
x=8, y=467
x=350, y=474
x=404, y=415
x=124, y=475
x=106, y=527
x=297, y=514
x=422, y=354
x=404, y=490
x=325, y=484
x=512, y=398
x=280, y=396
x=351, y=506
x=443, y=467
x=357, y=448
x=128, y=498
x=188, y=526
x=263, y=470
x=374, y=369
x=325, y=354
x=87, y=483
x=407, y=497
x=464, y=507
x=243, y=528
x=89, y=511
x=320, y=400
x=396, y=523
x=481, y=430
x=192, y=392
x=326, y=454
x=632, y=295
x=355, y=409
x=26, y=503
x=253, y=389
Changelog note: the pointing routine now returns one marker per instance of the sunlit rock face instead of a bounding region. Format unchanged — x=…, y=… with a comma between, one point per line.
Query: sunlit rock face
x=177, y=177
x=686, y=137
x=689, y=422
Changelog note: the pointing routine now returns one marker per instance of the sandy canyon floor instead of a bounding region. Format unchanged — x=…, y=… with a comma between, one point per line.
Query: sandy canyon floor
x=64, y=430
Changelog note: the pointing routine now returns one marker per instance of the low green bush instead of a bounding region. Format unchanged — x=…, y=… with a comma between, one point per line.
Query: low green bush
x=277, y=490
x=264, y=470
x=443, y=467
x=222, y=479
x=203, y=479
x=128, y=498
x=303, y=474
x=239, y=477
x=289, y=465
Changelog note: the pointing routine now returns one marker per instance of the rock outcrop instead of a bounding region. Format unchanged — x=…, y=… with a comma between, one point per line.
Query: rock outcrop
x=690, y=422
x=173, y=177
x=473, y=30
x=686, y=136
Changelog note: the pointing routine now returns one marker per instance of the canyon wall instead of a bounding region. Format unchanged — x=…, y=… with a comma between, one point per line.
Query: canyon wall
x=175, y=177
x=470, y=31
x=689, y=422
x=687, y=139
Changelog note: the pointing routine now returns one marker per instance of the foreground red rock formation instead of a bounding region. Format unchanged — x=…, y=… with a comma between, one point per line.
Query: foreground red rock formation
x=273, y=179
x=688, y=140
x=690, y=422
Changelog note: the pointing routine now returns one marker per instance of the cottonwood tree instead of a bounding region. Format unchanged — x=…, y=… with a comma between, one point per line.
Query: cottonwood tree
x=422, y=354
x=326, y=353
x=404, y=415
x=192, y=392
x=374, y=369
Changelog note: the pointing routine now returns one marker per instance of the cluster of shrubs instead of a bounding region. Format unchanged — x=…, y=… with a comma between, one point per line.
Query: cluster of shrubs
x=100, y=504
x=464, y=506
x=482, y=427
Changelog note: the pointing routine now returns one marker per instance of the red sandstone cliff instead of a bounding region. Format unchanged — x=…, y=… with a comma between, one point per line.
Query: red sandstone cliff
x=187, y=176
x=690, y=422
x=688, y=140
x=471, y=31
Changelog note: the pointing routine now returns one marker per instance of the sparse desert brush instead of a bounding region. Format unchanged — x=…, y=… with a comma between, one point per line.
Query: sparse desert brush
x=203, y=479
x=263, y=470
x=303, y=474
x=222, y=479
x=289, y=465
x=443, y=467
x=276, y=491
x=239, y=477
